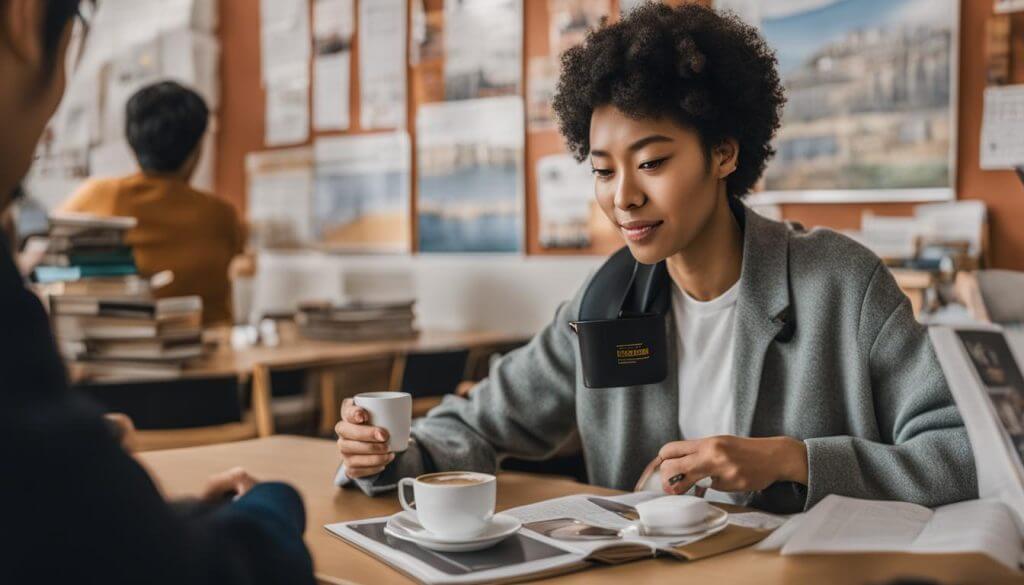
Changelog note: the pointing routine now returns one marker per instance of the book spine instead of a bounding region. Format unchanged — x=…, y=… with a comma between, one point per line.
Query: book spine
x=90, y=259
x=48, y=274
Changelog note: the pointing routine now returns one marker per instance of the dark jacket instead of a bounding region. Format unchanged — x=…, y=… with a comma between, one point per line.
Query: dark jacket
x=78, y=509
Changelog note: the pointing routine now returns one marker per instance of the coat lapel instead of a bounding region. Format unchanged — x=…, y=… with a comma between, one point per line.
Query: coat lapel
x=762, y=309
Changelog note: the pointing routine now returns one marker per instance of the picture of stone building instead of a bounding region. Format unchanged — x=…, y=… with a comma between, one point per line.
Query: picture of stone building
x=869, y=90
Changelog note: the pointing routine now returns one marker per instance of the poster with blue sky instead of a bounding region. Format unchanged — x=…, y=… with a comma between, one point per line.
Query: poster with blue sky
x=362, y=195
x=870, y=95
x=470, y=173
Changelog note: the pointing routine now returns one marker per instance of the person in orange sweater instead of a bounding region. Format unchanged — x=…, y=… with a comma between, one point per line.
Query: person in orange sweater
x=193, y=234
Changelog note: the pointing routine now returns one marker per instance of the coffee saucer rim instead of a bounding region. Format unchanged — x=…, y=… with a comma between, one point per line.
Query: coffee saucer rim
x=424, y=535
x=717, y=518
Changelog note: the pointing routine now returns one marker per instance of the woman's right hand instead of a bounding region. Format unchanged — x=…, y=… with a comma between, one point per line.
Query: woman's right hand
x=363, y=448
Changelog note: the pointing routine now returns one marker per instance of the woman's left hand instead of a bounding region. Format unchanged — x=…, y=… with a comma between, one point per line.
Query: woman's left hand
x=734, y=464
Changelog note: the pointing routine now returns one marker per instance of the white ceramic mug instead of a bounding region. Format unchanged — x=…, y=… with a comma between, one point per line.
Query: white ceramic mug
x=391, y=411
x=451, y=504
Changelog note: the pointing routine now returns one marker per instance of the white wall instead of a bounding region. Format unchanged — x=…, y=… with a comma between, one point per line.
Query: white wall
x=505, y=293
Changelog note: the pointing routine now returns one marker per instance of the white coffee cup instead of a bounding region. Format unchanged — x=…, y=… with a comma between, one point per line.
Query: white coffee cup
x=451, y=504
x=391, y=411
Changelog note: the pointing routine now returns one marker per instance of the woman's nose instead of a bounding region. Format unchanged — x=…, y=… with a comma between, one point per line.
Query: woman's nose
x=628, y=194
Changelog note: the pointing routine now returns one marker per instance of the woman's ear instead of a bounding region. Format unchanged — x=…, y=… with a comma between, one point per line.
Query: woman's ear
x=726, y=157
x=22, y=25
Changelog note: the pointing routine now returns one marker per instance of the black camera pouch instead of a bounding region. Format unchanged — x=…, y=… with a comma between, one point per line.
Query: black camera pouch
x=621, y=325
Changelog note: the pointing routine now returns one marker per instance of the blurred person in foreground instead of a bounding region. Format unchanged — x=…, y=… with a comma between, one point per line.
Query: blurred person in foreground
x=79, y=508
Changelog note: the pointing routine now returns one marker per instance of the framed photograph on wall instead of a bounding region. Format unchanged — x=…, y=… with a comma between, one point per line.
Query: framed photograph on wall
x=871, y=89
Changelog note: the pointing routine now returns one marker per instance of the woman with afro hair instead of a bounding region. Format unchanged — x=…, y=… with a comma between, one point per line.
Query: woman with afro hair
x=796, y=366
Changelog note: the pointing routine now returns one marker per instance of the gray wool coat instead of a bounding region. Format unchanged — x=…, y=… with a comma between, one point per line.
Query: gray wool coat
x=856, y=380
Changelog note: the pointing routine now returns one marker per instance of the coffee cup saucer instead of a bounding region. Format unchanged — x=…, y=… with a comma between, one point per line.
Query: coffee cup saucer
x=716, y=520
x=405, y=526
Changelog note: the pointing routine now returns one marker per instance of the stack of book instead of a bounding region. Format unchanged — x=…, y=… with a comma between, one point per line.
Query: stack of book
x=124, y=338
x=84, y=246
x=356, y=321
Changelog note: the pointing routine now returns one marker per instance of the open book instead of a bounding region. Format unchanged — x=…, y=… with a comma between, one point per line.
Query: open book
x=982, y=365
x=530, y=554
x=848, y=525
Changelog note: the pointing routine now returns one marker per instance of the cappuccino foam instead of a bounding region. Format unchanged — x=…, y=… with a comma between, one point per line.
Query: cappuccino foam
x=453, y=479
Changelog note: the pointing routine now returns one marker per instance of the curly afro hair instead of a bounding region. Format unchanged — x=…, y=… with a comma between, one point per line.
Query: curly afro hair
x=706, y=71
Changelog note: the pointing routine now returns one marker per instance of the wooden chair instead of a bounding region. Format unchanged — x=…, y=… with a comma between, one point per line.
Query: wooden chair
x=339, y=382
x=992, y=296
x=189, y=412
x=478, y=364
x=428, y=376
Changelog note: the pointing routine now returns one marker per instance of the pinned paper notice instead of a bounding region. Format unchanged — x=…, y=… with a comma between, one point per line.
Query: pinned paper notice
x=1002, y=130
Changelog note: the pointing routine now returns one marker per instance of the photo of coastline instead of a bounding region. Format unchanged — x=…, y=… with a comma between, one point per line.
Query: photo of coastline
x=362, y=194
x=470, y=174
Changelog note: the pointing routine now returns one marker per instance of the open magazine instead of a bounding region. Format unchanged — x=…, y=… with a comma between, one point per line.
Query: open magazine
x=982, y=365
x=530, y=554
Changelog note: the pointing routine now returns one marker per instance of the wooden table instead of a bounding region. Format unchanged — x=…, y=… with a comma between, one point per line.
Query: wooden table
x=309, y=464
x=297, y=352
x=320, y=358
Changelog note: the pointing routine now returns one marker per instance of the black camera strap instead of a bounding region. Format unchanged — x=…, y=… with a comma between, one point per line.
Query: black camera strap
x=624, y=287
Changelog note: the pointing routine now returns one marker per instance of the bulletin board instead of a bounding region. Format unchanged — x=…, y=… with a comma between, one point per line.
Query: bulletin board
x=243, y=98
x=242, y=127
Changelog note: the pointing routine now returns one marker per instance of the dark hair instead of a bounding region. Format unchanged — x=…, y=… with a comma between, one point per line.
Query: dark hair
x=164, y=123
x=706, y=71
x=59, y=13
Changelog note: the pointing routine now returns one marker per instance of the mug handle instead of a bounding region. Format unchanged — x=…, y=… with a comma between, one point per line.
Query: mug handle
x=402, y=483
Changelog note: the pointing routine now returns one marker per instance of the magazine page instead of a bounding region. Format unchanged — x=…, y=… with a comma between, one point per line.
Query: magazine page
x=581, y=508
x=985, y=379
x=515, y=558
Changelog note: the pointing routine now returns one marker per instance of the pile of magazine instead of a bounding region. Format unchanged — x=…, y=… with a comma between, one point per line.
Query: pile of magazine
x=356, y=321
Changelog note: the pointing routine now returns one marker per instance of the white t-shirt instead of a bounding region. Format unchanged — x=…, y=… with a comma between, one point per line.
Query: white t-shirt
x=706, y=347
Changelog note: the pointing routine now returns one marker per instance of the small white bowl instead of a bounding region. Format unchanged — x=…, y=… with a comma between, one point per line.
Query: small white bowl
x=673, y=512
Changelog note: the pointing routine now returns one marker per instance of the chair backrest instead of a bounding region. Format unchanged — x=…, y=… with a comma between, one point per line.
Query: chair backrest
x=180, y=413
x=1001, y=292
x=172, y=404
x=479, y=365
x=434, y=373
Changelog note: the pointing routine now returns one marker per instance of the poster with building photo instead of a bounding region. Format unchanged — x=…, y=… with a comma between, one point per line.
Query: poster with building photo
x=994, y=362
x=469, y=165
x=362, y=195
x=870, y=107
x=565, y=194
x=483, y=42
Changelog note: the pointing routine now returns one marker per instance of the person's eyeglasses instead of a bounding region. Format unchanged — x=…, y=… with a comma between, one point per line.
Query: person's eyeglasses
x=80, y=33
